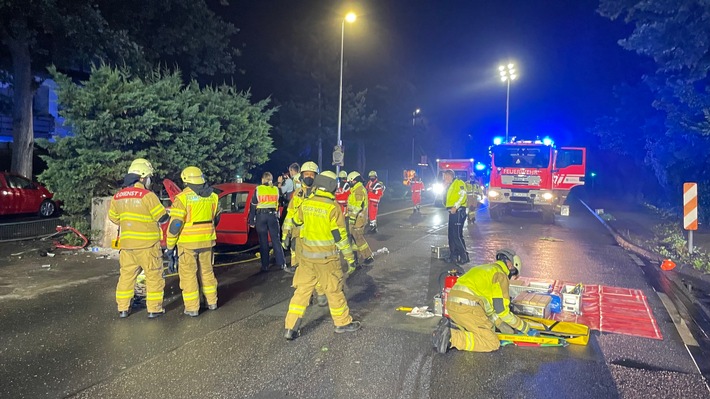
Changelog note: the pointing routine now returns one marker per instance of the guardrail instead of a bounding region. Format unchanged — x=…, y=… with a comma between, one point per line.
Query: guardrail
x=26, y=230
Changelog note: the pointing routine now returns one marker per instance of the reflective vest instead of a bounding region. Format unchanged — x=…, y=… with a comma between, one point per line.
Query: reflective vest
x=136, y=211
x=297, y=199
x=341, y=196
x=268, y=197
x=197, y=214
x=357, y=200
x=319, y=218
x=488, y=285
x=456, y=194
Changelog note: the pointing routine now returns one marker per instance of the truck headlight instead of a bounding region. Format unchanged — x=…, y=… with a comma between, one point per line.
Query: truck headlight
x=547, y=196
x=493, y=193
x=437, y=188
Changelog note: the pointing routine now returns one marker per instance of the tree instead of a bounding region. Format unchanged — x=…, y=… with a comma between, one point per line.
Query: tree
x=73, y=33
x=118, y=117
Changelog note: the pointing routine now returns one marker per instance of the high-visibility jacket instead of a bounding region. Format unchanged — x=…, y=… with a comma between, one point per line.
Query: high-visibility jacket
x=299, y=195
x=268, y=197
x=322, y=229
x=137, y=211
x=470, y=196
x=456, y=194
x=488, y=285
x=192, y=220
x=341, y=196
x=357, y=202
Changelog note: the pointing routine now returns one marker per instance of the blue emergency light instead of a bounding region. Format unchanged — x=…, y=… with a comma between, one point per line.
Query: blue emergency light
x=498, y=140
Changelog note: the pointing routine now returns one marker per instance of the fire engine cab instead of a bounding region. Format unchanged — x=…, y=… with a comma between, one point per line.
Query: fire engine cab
x=533, y=175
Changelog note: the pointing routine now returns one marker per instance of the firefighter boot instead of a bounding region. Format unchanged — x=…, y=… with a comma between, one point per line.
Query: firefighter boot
x=441, y=338
x=322, y=300
x=288, y=269
x=352, y=327
x=368, y=261
x=124, y=313
x=293, y=333
x=192, y=313
x=212, y=307
x=155, y=315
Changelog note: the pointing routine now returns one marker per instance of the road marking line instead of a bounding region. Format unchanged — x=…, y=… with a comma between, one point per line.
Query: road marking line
x=680, y=324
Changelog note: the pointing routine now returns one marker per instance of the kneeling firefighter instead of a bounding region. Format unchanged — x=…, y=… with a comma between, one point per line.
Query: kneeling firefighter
x=477, y=304
x=322, y=235
x=193, y=217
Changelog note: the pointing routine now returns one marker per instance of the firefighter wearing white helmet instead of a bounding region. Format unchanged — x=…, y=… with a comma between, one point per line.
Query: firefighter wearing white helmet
x=137, y=211
x=193, y=218
x=479, y=301
x=357, y=203
x=290, y=233
x=342, y=192
x=375, y=190
x=322, y=235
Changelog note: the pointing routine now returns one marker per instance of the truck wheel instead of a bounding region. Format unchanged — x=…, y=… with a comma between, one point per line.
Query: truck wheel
x=548, y=217
x=495, y=213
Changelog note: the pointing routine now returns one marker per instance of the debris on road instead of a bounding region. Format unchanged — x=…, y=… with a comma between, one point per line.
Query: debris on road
x=421, y=312
x=551, y=239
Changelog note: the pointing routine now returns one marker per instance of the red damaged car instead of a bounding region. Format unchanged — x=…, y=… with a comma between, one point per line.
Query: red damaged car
x=19, y=195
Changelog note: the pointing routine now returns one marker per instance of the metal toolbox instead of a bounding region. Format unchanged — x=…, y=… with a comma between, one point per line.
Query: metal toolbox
x=532, y=304
x=572, y=298
x=515, y=287
x=440, y=251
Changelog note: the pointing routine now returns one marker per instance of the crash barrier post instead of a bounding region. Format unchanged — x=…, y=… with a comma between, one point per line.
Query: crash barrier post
x=690, y=211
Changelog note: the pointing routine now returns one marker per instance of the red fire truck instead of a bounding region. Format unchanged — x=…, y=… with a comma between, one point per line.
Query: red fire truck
x=463, y=169
x=533, y=175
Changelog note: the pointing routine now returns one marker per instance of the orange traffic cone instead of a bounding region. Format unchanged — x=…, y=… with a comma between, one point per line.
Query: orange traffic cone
x=667, y=265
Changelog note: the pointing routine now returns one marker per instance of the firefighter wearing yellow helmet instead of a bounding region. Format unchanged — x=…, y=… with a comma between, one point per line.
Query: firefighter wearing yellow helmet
x=290, y=233
x=138, y=211
x=479, y=301
x=375, y=190
x=357, y=204
x=193, y=218
x=322, y=236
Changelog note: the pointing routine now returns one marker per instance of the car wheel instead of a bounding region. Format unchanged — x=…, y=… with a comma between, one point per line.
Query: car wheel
x=47, y=209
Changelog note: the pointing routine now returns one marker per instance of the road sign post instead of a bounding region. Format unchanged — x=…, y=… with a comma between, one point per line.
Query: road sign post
x=690, y=211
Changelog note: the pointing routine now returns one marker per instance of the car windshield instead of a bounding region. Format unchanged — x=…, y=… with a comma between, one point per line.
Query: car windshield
x=507, y=156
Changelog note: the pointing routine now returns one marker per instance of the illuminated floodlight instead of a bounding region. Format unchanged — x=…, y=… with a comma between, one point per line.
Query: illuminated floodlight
x=480, y=166
x=547, y=141
x=498, y=140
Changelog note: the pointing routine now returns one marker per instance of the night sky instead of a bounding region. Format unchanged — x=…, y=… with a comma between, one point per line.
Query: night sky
x=566, y=54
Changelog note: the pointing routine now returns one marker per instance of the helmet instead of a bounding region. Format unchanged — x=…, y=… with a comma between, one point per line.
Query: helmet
x=309, y=166
x=343, y=174
x=372, y=174
x=326, y=181
x=506, y=254
x=141, y=167
x=353, y=175
x=192, y=175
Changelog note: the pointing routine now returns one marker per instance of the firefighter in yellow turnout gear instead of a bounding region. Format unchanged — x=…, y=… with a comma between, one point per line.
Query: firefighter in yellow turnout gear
x=322, y=235
x=193, y=217
x=138, y=212
x=478, y=303
x=357, y=205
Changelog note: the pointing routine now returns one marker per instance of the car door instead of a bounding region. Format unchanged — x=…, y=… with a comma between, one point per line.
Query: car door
x=8, y=204
x=233, y=227
x=27, y=194
x=570, y=168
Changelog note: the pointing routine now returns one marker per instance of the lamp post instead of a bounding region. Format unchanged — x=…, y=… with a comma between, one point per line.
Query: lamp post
x=414, y=118
x=507, y=73
x=350, y=18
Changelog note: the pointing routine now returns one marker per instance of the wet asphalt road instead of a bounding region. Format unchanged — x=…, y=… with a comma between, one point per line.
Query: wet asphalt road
x=71, y=343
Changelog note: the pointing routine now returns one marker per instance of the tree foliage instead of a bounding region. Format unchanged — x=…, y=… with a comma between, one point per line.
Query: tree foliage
x=676, y=36
x=118, y=116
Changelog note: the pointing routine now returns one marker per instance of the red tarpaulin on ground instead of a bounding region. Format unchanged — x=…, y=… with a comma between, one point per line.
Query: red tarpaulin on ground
x=610, y=309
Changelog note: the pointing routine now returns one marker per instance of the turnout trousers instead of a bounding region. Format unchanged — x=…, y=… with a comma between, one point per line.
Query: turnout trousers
x=132, y=261
x=475, y=332
x=456, y=243
x=195, y=271
x=358, y=242
x=330, y=276
x=267, y=225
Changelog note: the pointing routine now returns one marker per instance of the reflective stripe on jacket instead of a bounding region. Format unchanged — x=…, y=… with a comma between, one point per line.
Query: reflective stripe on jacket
x=268, y=197
x=197, y=214
x=297, y=199
x=319, y=217
x=136, y=211
x=357, y=201
x=456, y=194
x=488, y=284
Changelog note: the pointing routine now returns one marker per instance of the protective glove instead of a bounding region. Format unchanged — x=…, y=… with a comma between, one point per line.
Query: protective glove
x=351, y=267
x=505, y=328
x=533, y=333
x=286, y=242
x=172, y=258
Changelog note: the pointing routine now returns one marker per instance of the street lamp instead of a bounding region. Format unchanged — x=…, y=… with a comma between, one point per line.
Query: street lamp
x=507, y=73
x=414, y=118
x=350, y=18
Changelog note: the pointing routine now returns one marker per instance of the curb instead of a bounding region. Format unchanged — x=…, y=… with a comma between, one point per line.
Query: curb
x=671, y=276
